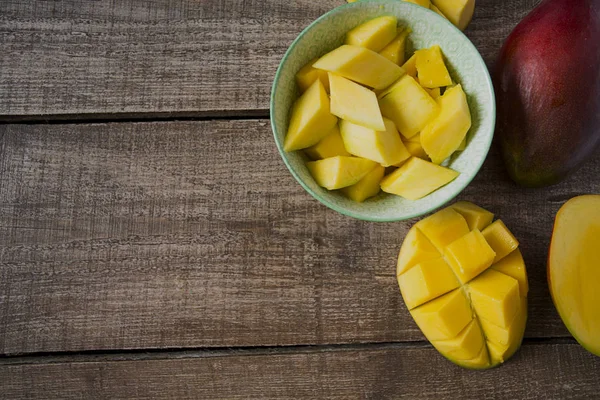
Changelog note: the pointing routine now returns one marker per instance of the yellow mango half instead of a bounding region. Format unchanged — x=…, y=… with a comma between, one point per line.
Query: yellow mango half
x=339, y=172
x=360, y=65
x=417, y=178
x=330, y=146
x=480, y=322
x=410, y=66
x=311, y=119
x=444, y=134
x=409, y=106
x=308, y=75
x=397, y=48
x=374, y=34
x=501, y=239
x=354, y=103
x=384, y=147
x=367, y=187
x=459, y=12
x=431, y=68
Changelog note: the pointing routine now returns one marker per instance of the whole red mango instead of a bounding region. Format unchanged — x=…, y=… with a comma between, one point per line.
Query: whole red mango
x=547, y=82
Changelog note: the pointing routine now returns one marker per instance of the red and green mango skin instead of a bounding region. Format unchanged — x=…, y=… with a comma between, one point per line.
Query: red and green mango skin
x=547, y=82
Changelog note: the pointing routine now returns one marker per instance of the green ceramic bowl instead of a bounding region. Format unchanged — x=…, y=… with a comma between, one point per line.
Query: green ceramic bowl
x=428, y=28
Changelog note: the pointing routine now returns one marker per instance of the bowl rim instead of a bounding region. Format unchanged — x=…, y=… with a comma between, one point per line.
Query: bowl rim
x=324, y=200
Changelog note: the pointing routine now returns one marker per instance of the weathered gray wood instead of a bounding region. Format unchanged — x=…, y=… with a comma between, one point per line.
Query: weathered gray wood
x=193, y=234
x=186, y=57
x=536, y=371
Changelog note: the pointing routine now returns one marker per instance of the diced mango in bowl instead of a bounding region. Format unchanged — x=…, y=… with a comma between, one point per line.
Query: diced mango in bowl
x=360, y=115
x=470, y=304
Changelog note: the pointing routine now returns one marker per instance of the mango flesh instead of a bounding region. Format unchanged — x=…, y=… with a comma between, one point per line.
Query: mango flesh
x=311, y=119
x=459, y=12
x=360, y=65
x=397, y=47
x=367, y=187
x=385, y=147
x=431, y=68
x=330, y=146
x=308, y=75
x=444, y=134
x=417, y=178
x=478, y=323
x=500, y=239
x=422, y=3
x=574, y=269
x=339, y=172
x=354, y=103
x=374, y=34
x=409, y=106
x=549, y=106
x=410, y=66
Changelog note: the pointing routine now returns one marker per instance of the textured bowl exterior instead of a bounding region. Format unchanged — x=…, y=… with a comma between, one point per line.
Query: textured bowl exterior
x=428, y=28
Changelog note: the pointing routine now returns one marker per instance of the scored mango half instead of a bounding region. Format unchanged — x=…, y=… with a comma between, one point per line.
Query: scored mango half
x=463, y=280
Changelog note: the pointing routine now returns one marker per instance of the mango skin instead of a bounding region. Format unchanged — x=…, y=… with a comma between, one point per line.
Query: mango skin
x=547, y=82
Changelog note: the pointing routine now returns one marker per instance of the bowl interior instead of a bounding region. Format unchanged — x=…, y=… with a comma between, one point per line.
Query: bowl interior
x=464, y=63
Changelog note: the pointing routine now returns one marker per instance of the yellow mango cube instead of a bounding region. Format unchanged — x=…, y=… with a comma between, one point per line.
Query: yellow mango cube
x=374, y=34
x=426, y=281
x=469, y=256
x=466, y=346
x=444, y=317
x=338, y=172
x=409, y=106
x=308, y=75
x=506, y=336
x=482, y=360
x=476, y=217
x=410, y=66
x=416, y=150
x=495, y=297
x=500, y=239
x=417, y=178
x=443, y=227
x=415, y=249
x=397, y=47
x=422, y=3
x=384, y=92
x=354, y=103
x=444, y=134
x=459, y=12
x=434, y=93
x=330, y=146
x=513, y=265
x=311, y=119
x=384, y=147
x=367, y=187
x=431, y=68
x=360, y=65
x=436, y=10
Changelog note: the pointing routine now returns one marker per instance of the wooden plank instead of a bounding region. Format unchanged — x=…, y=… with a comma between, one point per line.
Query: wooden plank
x=182, y=57
x=536, y=371
x=193, y=234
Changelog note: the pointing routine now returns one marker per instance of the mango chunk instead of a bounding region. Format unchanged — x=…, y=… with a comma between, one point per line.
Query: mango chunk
x=410, y=66
x=469, y=256
x=415, y=249
x=436, y=10
x=426, y=281
x=431, y=68
x=443, y=227
x=513, y=265
x=463, y=145
x=506, y=336
x=330, y=146
x=444, y=134
x=384, y=92
x=417, y=178
x=482, y=360
x=360, y=65
x=495, y=297
x=434, y=93
x=354, y=103
x=409, y=106
x=338, y=172
x=308, y=75
x=384, y=147
x=476, y=217
x=459, y=12
x=374, y=34
x=397, y=47
x=367, y=187
x=311, y=119
x=466, y=346
x=444, y=317
x=416, y=150
x=500, y=239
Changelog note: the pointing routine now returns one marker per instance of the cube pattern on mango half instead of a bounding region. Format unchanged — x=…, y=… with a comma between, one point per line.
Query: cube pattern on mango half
x=464, y=282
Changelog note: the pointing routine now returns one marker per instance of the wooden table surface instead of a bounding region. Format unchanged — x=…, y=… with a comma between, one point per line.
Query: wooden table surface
x=153, y=244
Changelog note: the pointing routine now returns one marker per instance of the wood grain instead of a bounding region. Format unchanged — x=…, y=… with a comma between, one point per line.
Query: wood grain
x=193, y=234
x=181, y=57
x=536, y=371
